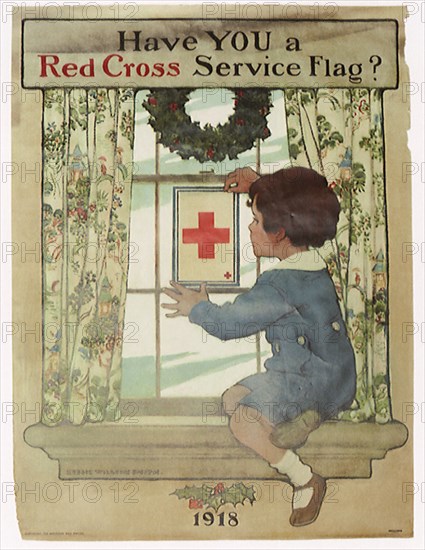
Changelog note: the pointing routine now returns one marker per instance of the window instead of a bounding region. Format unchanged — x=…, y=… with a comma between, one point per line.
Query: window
x=172, y=358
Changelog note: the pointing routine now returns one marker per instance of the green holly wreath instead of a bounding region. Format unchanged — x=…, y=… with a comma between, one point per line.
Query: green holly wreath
x=179, y=133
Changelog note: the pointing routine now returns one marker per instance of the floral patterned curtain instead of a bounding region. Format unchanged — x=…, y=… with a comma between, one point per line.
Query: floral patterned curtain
x=339, y=133
x=88, y=140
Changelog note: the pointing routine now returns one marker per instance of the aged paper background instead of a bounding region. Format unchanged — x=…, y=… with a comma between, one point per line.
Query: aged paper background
x=364, y=507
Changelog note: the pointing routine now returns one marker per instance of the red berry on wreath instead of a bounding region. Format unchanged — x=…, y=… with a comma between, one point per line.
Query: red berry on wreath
x=197, y=141
x=152, y=101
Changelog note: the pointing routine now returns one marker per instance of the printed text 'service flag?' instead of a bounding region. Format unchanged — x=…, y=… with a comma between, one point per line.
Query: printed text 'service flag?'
x=215, y=53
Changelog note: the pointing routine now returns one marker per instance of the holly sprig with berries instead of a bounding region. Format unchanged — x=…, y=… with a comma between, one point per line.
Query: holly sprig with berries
x=208, y=496
x=178, y=132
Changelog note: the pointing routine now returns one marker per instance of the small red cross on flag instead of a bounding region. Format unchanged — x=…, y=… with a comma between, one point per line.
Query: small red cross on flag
x=204, y=236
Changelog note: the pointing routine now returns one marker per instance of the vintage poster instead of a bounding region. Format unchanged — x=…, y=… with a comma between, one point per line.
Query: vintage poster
x=212, y=272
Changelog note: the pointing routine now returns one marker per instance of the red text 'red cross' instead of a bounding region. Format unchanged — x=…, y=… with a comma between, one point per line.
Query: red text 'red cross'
x=206, y=235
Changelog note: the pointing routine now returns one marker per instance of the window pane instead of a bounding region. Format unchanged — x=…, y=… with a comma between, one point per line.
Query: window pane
x=138, y=364
x=248, y=261
x=274, y=150
x=166, y=232
x=195, y=364
x=141, y=272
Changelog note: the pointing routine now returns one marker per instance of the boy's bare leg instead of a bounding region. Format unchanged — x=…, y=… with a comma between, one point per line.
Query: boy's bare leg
x=249, y=426
x=253, y=430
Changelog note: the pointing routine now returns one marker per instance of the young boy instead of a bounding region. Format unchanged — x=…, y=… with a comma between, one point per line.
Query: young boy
x=312, y=367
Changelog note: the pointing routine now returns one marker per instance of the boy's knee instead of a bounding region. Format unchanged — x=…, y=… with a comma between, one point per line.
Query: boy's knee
x=228, y=402
x=234, y=423
x=231, y=398
x=242, y=421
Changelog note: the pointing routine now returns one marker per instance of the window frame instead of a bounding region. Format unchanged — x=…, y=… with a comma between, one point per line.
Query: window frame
x=170, y=406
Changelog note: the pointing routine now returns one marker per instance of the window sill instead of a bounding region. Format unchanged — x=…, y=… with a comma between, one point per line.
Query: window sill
x=154, y=450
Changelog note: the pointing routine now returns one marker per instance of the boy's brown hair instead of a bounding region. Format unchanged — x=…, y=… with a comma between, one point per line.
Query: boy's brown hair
x=299, y=201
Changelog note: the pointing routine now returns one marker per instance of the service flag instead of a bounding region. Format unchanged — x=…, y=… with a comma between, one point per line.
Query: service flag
x=205, y=236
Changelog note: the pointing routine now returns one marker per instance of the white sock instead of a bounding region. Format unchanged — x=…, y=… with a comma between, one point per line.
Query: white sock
x=299, y=473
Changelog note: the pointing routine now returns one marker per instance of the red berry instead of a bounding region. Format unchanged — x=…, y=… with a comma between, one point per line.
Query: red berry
x=195, y=503
x=219, y=488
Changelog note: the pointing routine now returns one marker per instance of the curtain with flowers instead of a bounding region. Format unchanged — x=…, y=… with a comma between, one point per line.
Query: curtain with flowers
x=88, y=138
x=339, y=133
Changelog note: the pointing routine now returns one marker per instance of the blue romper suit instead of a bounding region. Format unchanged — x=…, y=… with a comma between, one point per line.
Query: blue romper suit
x=312, y=364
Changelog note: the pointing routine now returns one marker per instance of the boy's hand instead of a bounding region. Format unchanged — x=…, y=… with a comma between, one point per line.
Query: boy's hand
x=185, y=298
x=240, y=180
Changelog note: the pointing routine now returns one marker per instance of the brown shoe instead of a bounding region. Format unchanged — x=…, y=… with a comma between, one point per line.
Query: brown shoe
x=293, y=434
x=308, y=514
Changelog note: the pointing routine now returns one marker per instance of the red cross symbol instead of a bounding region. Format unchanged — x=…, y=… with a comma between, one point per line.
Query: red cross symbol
x=227, y=275
x=206, y=235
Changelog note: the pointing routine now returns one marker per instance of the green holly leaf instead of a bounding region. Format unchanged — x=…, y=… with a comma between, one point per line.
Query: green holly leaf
x=214, y=501
x=233, y=496
x=238, y=493
x=189, y=492
x=244, y=492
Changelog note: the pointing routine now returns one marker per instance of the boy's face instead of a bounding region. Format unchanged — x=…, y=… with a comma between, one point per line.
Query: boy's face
x=263, y=243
